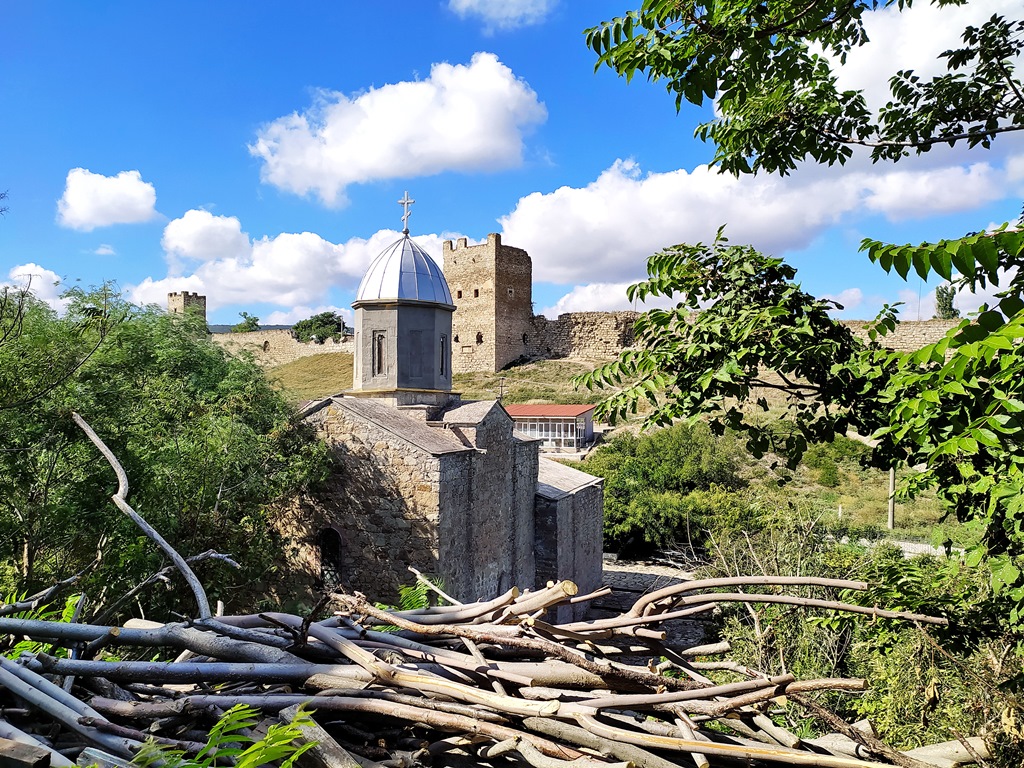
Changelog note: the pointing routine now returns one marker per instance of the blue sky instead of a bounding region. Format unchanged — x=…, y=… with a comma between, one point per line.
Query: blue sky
x=256, y=154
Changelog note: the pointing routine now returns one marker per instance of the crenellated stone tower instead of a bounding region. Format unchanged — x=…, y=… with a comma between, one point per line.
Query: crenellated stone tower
x=180, y=303
x=492, y=287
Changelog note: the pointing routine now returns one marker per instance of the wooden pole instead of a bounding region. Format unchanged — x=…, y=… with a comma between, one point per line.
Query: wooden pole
x=892, y=498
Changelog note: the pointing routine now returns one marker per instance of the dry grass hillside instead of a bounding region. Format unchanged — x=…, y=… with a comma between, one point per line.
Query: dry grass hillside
x=309, y=378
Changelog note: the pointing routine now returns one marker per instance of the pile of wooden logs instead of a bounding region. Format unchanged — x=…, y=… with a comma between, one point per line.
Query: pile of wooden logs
x=487, y=682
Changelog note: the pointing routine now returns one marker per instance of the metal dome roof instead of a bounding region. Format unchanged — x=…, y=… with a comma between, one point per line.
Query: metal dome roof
x=404, y=271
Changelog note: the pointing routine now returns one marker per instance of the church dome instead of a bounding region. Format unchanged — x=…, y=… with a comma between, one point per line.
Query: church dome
x=404, y=271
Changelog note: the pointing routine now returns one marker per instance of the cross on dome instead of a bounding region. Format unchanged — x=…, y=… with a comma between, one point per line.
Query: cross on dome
x=405, y=202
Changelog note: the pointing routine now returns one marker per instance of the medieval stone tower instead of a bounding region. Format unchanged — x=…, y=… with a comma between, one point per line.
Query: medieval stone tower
x=180, y=303
x=491, y=286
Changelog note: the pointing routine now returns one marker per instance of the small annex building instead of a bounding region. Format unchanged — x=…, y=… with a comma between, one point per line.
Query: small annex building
x=558, y=427
x=422, y=478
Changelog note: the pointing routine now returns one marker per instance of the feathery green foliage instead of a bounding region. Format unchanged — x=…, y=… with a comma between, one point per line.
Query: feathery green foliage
x=281, y=746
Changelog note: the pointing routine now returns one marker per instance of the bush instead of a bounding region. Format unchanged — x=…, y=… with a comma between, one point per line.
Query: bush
x=666, y=487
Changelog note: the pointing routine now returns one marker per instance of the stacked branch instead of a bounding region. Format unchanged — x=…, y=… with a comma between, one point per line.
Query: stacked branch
x=492, y=681
x=489, y=682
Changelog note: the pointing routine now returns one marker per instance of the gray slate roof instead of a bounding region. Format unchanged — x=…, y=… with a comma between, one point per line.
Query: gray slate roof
x=469, y=413
x=430, y=439
x=556, y=481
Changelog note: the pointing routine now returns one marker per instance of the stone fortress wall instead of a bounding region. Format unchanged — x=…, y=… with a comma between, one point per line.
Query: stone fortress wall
x=494, y=325
x=271, y=348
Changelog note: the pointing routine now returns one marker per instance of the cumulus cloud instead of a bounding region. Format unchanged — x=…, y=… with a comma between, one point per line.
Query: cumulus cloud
x=503, y=14
x=104, y=249
x=602, y=297
x=911, y=38
x=849, y=299
x=461, y=118
x=210, y=254
x=45, y=284
x=93, y=200
x=909, y=194
x=201, y=236
x=605, y=230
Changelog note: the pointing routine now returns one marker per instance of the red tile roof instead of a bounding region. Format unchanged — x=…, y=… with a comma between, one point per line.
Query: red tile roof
x=551, y=411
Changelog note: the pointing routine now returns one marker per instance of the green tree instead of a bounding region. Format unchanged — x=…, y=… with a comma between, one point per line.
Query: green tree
x=326, y=325
x=769, y=67
x=944, y=296
x=207, y=443
x=954, y=407
x=662, y=488
x=249, y=323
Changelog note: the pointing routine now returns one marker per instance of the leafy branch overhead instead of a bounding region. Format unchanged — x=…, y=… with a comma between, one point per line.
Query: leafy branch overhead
x=741, y=327
x=770, y=68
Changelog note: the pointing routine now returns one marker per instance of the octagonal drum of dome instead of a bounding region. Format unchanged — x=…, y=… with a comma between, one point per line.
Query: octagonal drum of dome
x=404, y=272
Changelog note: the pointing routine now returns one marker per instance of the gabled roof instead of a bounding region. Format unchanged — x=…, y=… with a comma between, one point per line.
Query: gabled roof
x=549, y=410
x=469, y=413
x=434, y=441
x=556, y=481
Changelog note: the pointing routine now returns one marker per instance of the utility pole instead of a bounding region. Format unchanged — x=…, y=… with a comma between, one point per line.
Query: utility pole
x=892, y=498
x=501, y=388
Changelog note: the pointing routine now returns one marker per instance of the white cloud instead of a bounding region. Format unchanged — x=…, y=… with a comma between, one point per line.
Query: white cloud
x=849, y=299
x=602, y=297
x=93, y=200
x=44, y=284
x=911, y=38
x=461, y=118
x=917, y=305
x=201, y=236
x=605, y=230
x=909, y=194
x=211, y=255
x=293, y=315
x=105, y=249
x=504, y=14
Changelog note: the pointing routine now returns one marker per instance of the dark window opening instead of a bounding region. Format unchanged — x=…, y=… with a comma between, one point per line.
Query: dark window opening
x=458, y=294
x=479, y=337
x=329, y=546
x=476, y=293
x=456, y=338
x=511, y=292
x=266, y=346
x=379, y=351
x=444, y=355
x=524, y=338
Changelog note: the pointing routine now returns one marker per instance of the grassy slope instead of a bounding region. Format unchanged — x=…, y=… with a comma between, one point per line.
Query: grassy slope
x=547, y=380
x=309, y=378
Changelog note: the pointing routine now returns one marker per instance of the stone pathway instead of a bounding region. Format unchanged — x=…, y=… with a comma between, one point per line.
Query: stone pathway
x=631, y=580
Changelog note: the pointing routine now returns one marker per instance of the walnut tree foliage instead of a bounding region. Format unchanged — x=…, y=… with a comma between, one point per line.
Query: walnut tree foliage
x=956, y=407
x=768, y=65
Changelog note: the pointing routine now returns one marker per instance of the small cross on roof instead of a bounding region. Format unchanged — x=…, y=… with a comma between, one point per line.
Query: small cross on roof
x=405, y=202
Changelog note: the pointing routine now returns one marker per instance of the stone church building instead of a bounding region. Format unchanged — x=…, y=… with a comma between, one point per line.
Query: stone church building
x=425, y=479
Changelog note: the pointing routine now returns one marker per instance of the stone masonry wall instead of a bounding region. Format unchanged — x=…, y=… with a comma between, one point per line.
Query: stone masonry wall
x=383, y=500
x=491, y=285
x=496, y=535
x=270, y=348
x=586, y=335
x=910, y=335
